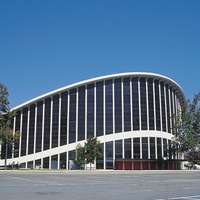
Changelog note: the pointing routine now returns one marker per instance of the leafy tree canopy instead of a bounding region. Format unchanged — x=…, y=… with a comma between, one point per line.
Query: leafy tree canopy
x=93, y=149
x=79, y=157
x=187, y=128
x=4, y=103
x=6, y=117
x=86, y=154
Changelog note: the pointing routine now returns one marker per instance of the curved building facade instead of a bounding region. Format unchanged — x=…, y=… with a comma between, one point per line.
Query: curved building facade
x=129, y=113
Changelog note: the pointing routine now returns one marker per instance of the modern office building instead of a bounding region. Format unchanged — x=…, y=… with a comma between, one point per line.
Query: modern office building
x=129, y=113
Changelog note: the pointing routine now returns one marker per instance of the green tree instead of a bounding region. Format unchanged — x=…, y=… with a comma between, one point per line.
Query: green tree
x=93, y=150
x=4, y=103
x=187, y=130
x=79, y=157
x=6, y=116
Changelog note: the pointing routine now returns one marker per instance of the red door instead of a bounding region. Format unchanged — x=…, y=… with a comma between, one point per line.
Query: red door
x=128, y=165
x=119, y=165
x=136, y=165
x=145, y=166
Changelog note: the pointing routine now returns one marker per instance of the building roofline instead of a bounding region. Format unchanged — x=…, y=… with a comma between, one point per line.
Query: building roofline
x=100, y=78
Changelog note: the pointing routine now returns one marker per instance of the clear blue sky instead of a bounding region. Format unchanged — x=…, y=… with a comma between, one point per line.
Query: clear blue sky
x=48, y=44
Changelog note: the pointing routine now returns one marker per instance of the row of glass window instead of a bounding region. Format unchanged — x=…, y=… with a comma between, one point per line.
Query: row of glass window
x=107, y=107
x=146, y=148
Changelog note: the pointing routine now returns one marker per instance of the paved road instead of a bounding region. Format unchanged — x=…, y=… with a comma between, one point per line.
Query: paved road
x=112, y=185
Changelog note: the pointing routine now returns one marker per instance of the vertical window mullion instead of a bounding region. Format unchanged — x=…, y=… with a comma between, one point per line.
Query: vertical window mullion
x=95, y=109
x=147, y=103
x=76, y=133
x=122, y=97
x=113, y=111
x=51, y=120
x=161, y=127
x=35, y=131
x=86, y=105
x=139, y=100
x=131, y=105
x=28, y=123
x=59, y=122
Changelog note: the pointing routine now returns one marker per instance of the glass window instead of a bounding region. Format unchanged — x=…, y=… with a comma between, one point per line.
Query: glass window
x=118, y=106
x=99, y=109
x=71, y=164
x=38, y=163
x=100, y=161
x=136, y=148
x=163, y=106
x=55, y=121
x=175, y=102
x=54, y=162
x=135, y=104
x=17, y=128
x=39, y=126
x=159, y=148
x=157, y=103
x=63, y=123
x=90, y=110
x=118, y=149
x=81, y=113
x=30, y=165
x=31, y=129
x=72, y=116
x=47, y=119
x=46, y=163
x=144, y=148
x=109, y=155
x=151, y=104
x=63, y=161
x=127, y=148
x=168, y=109
x=170, y=150
x=24, y=131
x=109, y=107
x=127, y=106
x=152, y=148
x=165, y=147
x=143, y=103
x=172, y=105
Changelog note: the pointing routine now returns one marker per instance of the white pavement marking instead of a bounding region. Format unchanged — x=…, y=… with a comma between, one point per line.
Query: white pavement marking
x=197, y=197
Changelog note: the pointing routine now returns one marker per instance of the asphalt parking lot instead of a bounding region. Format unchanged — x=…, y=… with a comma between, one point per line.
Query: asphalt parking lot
x=78, y=185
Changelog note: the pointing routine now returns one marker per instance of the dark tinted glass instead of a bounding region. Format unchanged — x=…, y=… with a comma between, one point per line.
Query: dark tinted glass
x=63, y=123
x=109, y=107
x=90, y=110
x=118, y=106
x=118, y=149
x=24, y=131
x=127, y=106
x=55, y=121
x=143, y=102
x=144, y=148
x=127, y=148
x=81, y=113
x=39, y=126
x=72, y=116
x=99, y=109
x=151, y=104
x=31, y=129
x=47, y=120
x=135, y=103
x=109, y=155
x=157, y=103
x=136, y=148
